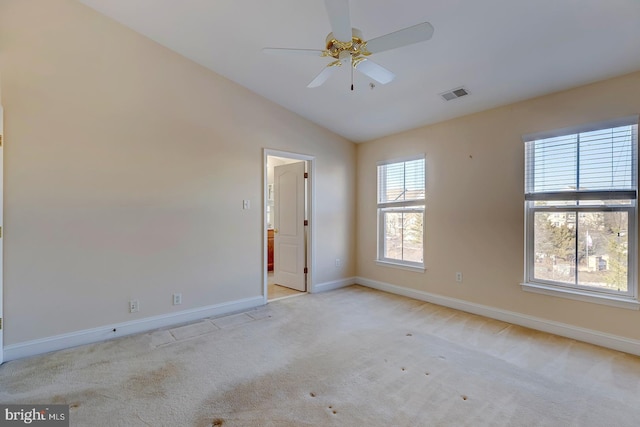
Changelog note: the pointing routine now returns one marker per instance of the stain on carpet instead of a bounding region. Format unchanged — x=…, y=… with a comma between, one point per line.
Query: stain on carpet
x=153, y=383
x=45, y=368
x=251, y=403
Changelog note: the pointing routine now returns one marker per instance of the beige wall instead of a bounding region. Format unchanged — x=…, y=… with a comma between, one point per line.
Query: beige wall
x=125, y=170
x=475, y=204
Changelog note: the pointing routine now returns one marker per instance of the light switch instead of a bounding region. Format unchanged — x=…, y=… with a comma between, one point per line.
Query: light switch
x=246, y=204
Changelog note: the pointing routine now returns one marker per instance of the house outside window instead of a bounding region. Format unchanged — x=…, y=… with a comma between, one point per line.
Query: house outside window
x=401, y=202
x=581, y=211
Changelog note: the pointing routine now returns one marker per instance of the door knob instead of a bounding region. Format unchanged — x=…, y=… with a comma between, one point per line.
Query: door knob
x=275, y=230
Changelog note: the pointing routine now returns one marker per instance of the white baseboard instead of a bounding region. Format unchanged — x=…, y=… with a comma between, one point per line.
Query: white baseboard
x=334, y=284
x=102, y=333
x=602, y=339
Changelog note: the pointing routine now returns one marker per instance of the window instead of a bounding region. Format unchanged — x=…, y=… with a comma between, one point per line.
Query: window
x=401, y=189
x=580, y=204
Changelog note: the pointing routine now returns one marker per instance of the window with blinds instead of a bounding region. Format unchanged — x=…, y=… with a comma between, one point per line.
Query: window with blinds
x=580, y=202
x=401, y=197
x=582, y=165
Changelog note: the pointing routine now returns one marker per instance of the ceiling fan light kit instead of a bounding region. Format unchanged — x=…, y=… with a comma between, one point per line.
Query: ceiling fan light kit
x=355, y=46
x=346, y=44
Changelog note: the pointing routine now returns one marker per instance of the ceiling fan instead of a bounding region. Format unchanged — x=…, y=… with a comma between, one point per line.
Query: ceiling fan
x=346, y=45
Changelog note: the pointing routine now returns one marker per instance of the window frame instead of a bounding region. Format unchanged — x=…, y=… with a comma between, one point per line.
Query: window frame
x=628, y=299
x=401, y=206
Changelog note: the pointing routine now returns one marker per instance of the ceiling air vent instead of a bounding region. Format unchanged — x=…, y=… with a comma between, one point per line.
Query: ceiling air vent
x=455, y=93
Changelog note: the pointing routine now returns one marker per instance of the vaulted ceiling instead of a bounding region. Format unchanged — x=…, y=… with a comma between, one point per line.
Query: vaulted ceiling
x=501, y=51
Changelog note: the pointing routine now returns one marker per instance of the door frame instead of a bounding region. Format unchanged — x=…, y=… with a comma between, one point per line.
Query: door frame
x=310, y=160
x=2, y=323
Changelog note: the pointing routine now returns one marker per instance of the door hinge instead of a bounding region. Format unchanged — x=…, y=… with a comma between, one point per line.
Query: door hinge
x=306, y=270
x=306, y=175
x=0, y=140
x=306, y=222
x=0, y=323
x=0, y=232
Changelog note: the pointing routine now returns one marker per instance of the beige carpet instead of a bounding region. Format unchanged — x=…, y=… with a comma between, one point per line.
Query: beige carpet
x=351, y=357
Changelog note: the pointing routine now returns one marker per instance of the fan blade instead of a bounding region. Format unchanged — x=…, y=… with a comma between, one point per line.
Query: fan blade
x=323, y=76
x=286, y=51
x=344, y=58
x=410, y=35
x=375, y=71
x=338, y=11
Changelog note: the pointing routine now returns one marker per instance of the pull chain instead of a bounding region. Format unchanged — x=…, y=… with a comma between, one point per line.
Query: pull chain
x=352, y=67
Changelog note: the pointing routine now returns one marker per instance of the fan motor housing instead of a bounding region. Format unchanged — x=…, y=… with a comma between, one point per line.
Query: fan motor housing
x=355, y=47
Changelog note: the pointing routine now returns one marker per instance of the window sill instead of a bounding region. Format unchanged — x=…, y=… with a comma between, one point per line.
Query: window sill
x=400, y=266
x=627, y=303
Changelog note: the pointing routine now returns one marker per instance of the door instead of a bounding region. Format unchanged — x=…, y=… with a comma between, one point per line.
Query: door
x=289, y=257
x=1, y=230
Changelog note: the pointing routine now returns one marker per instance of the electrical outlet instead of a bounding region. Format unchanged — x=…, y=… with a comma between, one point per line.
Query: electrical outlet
x=459, y=277
x=177, y=299
x=134, y=306
x=338, y=262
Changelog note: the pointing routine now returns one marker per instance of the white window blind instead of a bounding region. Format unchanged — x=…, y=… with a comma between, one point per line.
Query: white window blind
x=595, y=164
x=401, y=182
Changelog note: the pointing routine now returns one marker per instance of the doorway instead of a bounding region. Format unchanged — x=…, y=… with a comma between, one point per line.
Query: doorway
x=288, y=198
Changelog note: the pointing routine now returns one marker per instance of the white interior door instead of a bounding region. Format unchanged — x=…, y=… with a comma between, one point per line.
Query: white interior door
x=288, y=220
x=1, y=230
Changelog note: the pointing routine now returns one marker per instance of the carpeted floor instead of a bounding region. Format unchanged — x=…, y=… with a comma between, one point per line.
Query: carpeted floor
x=350, y=357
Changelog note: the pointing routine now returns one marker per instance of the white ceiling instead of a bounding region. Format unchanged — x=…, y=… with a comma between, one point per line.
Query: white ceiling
x=502, y=51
